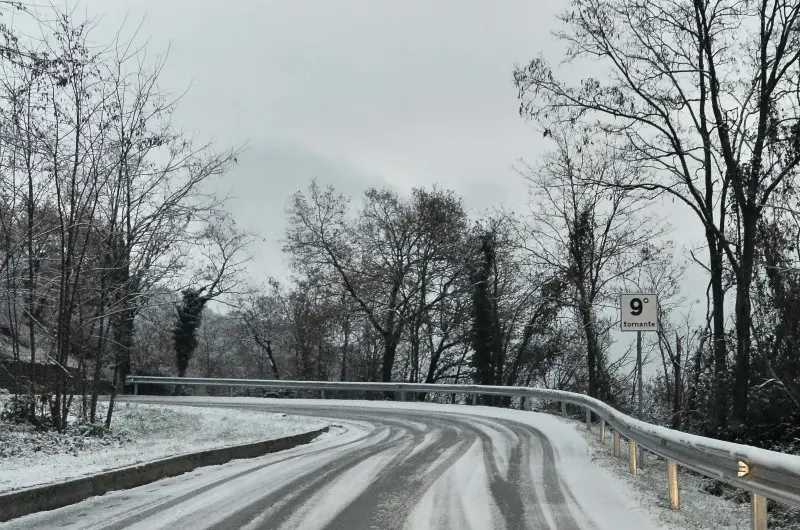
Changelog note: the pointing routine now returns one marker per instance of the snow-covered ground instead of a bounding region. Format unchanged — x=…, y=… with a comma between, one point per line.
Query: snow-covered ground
x=647, y=492
x=699, y=509
x=441, y=463
x=396, y=465
x=462, y=493
x=140, y=433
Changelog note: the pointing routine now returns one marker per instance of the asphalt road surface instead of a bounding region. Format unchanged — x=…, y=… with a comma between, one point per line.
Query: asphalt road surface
x=382, y=468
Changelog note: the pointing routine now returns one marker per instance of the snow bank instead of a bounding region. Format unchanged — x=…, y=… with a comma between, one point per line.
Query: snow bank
x=700, y=510
x=140, y=433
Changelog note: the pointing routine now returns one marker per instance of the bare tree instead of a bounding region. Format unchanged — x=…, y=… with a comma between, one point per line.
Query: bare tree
x=589, y=236
x=157, y=195
x=224, y=253
x=433, y=294
x=25, y=80
x=73, y=146
x=514, y=308
x=398, y=260
x=105, y=204
x=705, y=93
x=262, y=316
x=370, y=257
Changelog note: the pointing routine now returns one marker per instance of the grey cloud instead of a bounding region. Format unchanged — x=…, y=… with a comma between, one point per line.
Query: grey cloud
x=261, y=184
x=366, y=94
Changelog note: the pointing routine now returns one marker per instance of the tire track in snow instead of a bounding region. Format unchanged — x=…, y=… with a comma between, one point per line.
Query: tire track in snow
x=274, y=508
x=156, y=509
x=506, y=450
x=408, y=477
x=404, y=475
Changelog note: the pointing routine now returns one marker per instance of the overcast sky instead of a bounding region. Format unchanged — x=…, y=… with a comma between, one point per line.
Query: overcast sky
x=357, y=93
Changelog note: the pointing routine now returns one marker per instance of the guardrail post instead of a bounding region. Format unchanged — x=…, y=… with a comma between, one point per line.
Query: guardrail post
x=402, y=395
x=617, y=444
x=632, y=455
x=323, y=394
x=602, y=431
x=588, y=419
x=759, y=503
x=136, y=389
x=672, y=479
x=564, y=408
x=474, y=399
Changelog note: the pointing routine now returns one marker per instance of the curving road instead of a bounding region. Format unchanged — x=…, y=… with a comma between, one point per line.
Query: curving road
x=412, y=466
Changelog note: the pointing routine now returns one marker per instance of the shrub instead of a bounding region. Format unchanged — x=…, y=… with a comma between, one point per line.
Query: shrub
x=18, y=409
x=94, y=430
x=22, y=410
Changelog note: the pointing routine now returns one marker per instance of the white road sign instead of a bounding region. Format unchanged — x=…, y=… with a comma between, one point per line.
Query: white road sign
x=638, y=312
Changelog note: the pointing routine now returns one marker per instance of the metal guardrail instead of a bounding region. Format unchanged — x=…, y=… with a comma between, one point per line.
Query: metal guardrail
x=765, y=474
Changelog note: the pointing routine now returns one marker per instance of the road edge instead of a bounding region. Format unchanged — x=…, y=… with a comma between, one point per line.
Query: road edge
x=53, y=496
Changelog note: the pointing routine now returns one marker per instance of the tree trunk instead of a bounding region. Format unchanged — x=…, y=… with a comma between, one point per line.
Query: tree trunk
x=391, y=336
x=413, y=376
x=84, y=386
x=272, y=361
x=719, y=416
x=124, y=336
x=389, y=353
x=345, y=346
x=98, y=363
x=31, y=281
x=592, y=348
x=112, y=399
x=692, y=401
x=676, y=394
x=744, y=279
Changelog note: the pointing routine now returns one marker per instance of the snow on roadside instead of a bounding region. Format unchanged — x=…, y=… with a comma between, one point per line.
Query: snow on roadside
x=699, y=509
x=140, y=433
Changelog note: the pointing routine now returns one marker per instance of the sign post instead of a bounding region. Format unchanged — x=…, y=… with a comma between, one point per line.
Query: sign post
x=639, y=377
x=638, y=312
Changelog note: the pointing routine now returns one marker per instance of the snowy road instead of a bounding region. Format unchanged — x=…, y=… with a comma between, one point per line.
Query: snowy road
x=405, y=466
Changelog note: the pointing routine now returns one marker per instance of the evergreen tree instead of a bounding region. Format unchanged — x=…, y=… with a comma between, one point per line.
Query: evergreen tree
x=485, y=335
x=190, y=315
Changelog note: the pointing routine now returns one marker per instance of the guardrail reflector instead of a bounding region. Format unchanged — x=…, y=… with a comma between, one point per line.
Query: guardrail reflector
x=744, y=469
